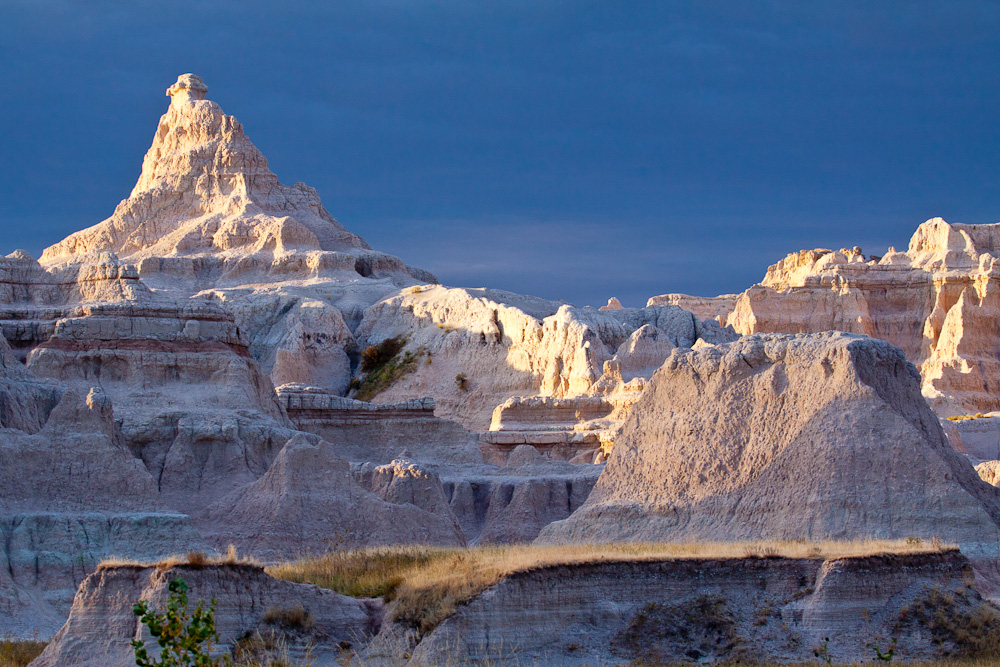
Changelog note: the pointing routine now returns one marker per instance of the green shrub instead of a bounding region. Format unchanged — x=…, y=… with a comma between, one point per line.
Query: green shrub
x=185, y=638
x=383, y=364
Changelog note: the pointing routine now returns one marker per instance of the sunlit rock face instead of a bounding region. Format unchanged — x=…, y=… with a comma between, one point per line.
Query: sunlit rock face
x=938, y=301
x=786, y=437
x=514, y=346
x=208, y=218
x=206, y=190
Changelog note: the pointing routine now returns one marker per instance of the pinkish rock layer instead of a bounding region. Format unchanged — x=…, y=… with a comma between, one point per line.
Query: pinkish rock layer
x=938, y=301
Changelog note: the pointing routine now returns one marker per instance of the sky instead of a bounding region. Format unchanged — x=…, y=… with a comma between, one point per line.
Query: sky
x=570, y=150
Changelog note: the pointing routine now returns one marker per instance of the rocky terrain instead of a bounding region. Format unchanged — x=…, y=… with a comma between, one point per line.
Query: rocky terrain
x=937, y=301
x=248, y=603
x=697, y=611
x=221, y=362
x=141, y=356
x=683, y=468
x=614, y=611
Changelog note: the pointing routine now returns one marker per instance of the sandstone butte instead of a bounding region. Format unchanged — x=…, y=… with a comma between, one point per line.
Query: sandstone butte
x=185, y=375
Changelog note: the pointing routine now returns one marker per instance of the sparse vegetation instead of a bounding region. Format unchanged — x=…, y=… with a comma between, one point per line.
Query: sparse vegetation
x=383, y=364
x=264, y=649
x=19, y=652
x=701, y=628
x=185, y=637
x=290, y=618
x=193, y=559
x=430, y=583
x=462, y=380
x=197, y=559
x=382, y=353
x=961, y=622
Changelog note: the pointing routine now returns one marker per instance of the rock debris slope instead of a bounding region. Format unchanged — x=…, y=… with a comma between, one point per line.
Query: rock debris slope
x=938, y=301
x=786, y=437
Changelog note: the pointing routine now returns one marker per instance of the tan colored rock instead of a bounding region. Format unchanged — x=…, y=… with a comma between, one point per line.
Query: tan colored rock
x=937, y=301
x=613, y=304
x=702, y=307
x=989, y=471
x=507, y=345
x=725, y=442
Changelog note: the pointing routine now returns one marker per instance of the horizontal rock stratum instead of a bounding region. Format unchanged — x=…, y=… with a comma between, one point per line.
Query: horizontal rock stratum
x=731, y=610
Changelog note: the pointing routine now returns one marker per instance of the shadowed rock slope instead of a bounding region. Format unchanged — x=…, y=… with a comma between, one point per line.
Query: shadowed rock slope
x=737, y=610
x=101, y=623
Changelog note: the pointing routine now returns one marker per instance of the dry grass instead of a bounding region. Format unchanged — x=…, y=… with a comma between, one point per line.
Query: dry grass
x=429, y=583
x=291, y=618
x=19, y=652
x=360, y=573
x=265, y=649
x=192, y=558
x=962, y=418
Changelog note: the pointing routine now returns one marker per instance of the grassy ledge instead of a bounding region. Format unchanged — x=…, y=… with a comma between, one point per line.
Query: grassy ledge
x=427, y=584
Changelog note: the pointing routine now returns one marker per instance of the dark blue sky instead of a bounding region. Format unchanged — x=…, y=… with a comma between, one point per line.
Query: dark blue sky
x=573, y=150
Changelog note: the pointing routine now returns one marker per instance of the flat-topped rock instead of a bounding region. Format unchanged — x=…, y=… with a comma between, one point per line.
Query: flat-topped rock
x=101, y=624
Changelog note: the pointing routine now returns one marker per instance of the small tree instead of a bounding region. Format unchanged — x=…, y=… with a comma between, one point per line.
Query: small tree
x=185, y=638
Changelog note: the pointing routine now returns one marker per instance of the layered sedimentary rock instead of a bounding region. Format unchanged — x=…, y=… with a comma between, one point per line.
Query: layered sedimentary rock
x=308, y=502
x=938, y=301
x=379, y=432
x=977, y=437
x=208, y=217
x=514, y=503
x=71, y=493
x=478, y=348
x=726, y=442
x=101, y=624
x=729, y=610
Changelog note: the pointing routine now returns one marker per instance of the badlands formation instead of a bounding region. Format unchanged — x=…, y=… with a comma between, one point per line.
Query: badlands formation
x=186, y=375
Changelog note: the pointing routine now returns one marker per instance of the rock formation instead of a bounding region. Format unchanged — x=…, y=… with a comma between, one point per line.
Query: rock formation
x=506, y=346
x=756, y=610
x=937, y=301
x=727, y=443
x=308, y=503
x=101, y=624
x=71, y=493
